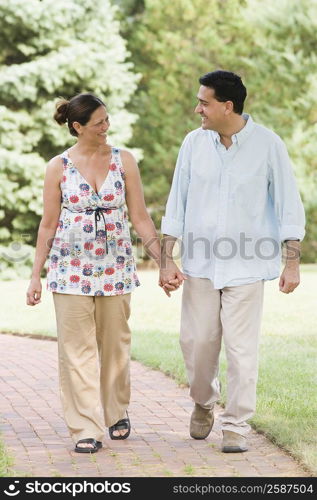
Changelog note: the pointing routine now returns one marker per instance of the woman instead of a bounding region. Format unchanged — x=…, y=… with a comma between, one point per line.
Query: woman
x=91, y=269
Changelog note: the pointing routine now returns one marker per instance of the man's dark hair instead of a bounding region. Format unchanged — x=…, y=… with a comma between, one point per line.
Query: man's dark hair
x=227, y=86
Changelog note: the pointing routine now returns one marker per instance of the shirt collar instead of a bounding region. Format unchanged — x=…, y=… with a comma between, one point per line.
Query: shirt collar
x=240, y=136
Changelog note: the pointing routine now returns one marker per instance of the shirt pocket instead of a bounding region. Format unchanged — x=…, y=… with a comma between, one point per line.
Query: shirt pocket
x=249, y=193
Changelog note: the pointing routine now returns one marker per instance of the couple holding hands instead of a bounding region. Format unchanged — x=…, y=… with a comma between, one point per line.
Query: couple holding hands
x=233, y=183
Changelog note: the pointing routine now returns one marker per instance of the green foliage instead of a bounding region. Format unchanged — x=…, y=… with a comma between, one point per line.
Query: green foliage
x=173, y=43
x=282, y=70
x=16, y=259
x=6, y=462
x=272, y=47
x=52, y=48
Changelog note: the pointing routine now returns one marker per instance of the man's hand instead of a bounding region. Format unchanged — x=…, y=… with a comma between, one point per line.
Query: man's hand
x=171, y=278
x=289, y=279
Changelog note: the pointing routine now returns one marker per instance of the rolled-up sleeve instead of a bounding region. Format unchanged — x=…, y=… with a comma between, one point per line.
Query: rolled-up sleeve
x=287, y=203
x=173, y=221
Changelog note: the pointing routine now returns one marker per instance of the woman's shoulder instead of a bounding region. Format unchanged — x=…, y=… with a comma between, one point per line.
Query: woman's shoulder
x=55, y=165
x=127, y=157
x=56, y=161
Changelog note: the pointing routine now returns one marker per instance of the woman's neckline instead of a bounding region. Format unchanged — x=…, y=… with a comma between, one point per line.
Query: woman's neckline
x=96, y=191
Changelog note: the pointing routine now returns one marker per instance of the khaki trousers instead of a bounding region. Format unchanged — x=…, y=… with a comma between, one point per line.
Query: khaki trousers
x=233, y=313
x=94, y=361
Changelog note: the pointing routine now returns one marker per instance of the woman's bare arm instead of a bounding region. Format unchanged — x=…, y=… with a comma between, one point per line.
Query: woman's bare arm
x=47, y=227
x=141, y=219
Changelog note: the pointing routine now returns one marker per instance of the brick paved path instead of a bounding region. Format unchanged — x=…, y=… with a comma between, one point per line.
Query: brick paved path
x=34, y=432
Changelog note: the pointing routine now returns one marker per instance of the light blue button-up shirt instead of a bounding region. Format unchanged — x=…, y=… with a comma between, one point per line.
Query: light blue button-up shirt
x=233, y=207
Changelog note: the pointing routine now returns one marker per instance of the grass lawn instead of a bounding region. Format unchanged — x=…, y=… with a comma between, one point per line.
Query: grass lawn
x=6, y=462
x=286, y=407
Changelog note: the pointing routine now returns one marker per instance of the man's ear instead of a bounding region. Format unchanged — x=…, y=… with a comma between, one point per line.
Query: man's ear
x=228, y=107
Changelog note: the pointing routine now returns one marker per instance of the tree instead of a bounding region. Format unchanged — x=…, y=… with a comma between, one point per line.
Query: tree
x=52, y=48
x=172, y=44
x=282, y=74
x=272, y=47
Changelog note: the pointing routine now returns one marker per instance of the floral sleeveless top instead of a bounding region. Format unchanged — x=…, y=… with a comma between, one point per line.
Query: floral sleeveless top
x=92, y=252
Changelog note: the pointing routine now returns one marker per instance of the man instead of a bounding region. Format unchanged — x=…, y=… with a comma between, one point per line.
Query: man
x=233, y=201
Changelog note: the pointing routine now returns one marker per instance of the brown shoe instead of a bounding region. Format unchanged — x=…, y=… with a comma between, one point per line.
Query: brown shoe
x=201, y=422
x=233, y=442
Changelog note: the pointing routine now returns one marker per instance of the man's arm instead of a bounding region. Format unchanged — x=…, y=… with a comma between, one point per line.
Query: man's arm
x=289, y=212
x=172, y=225
x=288, y=206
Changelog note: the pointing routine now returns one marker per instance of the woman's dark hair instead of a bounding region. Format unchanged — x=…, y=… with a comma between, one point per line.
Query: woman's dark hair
x=227, y=86
x=78, y=109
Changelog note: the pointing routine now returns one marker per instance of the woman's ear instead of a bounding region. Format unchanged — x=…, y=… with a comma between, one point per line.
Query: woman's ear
x=78, y=127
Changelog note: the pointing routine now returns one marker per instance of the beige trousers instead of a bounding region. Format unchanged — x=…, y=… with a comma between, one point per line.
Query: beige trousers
x=233, y=313
x=94, y=361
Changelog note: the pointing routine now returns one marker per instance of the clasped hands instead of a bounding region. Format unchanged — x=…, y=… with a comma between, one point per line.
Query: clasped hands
x=171, y=278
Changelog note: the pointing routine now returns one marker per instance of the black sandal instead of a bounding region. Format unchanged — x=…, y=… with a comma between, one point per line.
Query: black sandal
x=81, y=449
x=121, y=425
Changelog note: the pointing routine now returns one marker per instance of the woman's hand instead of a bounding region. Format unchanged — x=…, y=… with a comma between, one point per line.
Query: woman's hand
x=170, y=286
x=34, y=292
x=171, y=278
